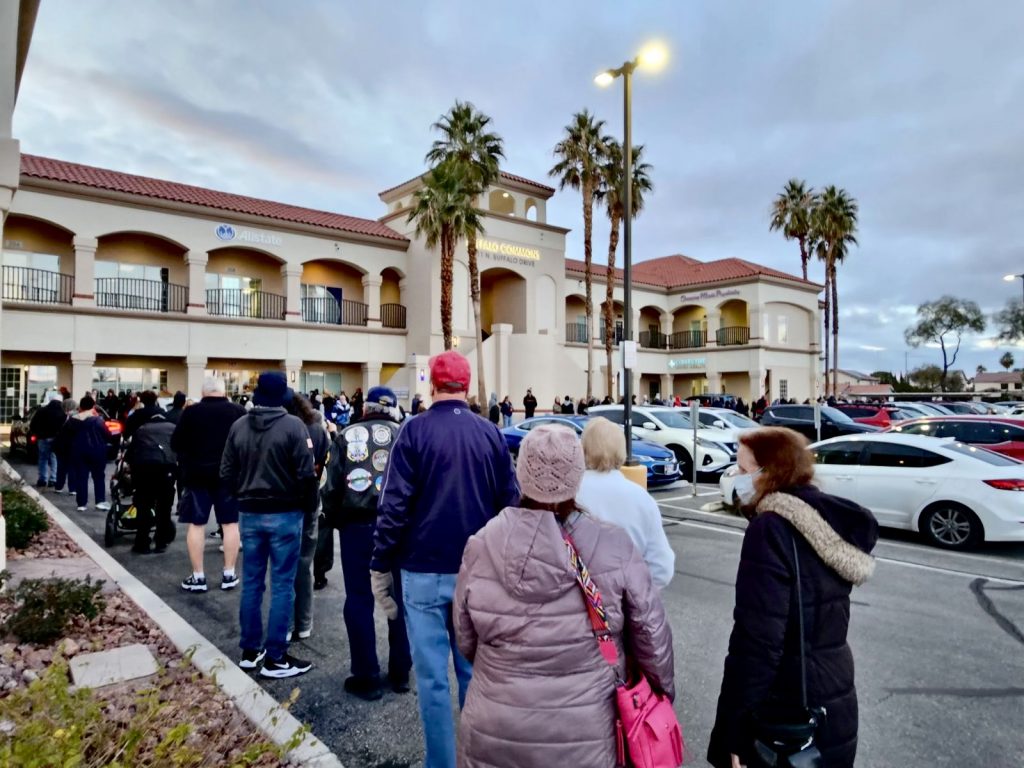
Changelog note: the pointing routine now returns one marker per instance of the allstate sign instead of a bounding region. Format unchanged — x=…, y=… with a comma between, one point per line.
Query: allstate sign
x=226, y=232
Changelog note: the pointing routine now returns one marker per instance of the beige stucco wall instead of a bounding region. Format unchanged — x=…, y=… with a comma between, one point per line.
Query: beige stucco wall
x=335, y=275
x=34, y=236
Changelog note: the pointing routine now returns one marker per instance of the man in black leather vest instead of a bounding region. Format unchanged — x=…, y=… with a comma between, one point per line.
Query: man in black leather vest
x=359, y=459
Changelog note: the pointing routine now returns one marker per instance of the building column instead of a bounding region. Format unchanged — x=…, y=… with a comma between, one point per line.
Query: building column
x=714, y=323
x=667, y=385
x=292, y=369
x=666, y=326
x=371, y=297
x=82, y=364
x=292, y=274
x=418, y=371
x=757, y=335
x=757, y=387
x=503, y=337
x=714, y=383
x=195, y=372
x=371, y=376
x=85, y=272
x=196, y=262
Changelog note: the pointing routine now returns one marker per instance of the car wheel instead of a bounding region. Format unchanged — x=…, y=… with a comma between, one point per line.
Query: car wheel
x=949, y=525
x=685, y=462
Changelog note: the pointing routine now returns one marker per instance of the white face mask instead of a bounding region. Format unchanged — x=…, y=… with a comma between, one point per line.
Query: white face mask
x=744, y=487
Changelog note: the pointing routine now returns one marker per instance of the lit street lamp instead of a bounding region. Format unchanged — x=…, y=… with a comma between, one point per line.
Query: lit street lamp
x=1011, y=278
x=650, y=59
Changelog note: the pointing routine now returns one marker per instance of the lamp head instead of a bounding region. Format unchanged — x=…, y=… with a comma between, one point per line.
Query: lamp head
x=605, y=79
x=1009, y=278
x=652, y=57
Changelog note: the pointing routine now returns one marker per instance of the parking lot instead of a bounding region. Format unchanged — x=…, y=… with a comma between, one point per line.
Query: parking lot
x=937, y=638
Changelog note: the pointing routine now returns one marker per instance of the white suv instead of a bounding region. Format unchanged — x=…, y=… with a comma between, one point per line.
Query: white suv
x=715, y=449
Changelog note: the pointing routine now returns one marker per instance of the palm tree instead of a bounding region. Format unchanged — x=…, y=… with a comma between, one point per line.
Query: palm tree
x=791, y=212
x=443, y=211
x=466, y=144
x=835, y=223
x=614, y=192
x=1006, y=360
x=581, y=154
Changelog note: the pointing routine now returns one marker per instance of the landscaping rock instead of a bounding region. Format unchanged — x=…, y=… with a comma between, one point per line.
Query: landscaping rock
x=95, y=670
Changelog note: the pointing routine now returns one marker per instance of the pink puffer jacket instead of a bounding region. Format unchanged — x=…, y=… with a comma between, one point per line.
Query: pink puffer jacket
x=541, y=694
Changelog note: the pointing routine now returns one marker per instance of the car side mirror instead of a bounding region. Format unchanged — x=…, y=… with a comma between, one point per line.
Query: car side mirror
x=650, y=425
x=720, y=424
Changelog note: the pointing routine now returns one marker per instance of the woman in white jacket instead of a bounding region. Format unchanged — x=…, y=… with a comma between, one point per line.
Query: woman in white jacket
x=608, y=495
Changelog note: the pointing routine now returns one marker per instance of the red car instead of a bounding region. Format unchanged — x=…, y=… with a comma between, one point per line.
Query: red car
x=1002, y=434
x=875, y=415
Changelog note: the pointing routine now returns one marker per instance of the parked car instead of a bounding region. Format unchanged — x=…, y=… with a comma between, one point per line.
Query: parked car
x=964, y=407
x=801, y=418
x=1002, y=434
x=955, y=495
x=725, y=418
x=24, y=442
x=713, y=452
x=662, y=467
x=707, y=400
x=913, y=410
x=871, y=413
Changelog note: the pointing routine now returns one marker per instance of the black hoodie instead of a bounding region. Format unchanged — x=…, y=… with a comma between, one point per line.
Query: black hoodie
x=268, y=463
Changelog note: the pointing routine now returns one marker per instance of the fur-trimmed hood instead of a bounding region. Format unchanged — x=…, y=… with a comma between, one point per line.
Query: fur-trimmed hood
x=808, y=515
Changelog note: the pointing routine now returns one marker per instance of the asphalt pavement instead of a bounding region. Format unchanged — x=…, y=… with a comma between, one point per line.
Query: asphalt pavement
x=938, y=640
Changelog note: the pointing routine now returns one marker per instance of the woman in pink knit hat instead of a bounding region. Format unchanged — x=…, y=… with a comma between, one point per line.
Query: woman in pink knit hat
x=542, y=694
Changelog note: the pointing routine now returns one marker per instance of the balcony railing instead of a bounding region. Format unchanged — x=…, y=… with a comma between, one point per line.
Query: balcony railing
x=139, y=295
x=688, y=340
x=37, y=286
x=235, y=302
x=327, y=311
x=392, y=315
x=732, y=335
x=653, y=340
x=619, y=333
x=576, y=333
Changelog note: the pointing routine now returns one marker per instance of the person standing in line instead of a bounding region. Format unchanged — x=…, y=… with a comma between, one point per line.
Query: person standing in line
x=153, y=467
x=606, y=494
x=357, y=404
x=529, y=404
x=448, y=474
x=829, y=538
x=568, y=409
x=493, y=409
x=581, y=406
x=198, y=442
x=45, y=424
x=149, y=408
x=89, y=443
x=268, y=466
x=62, y=448
x=542, y=693
x=173, y=413
x=350, y=494
x=506, y=411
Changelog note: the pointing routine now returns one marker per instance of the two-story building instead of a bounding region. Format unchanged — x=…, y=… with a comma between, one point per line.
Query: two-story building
x=116, y=281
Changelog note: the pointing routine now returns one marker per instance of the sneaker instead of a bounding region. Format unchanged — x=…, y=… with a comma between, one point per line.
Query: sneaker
x=103, y=506
x=228, y=582
x=365, y=688
x=40, y=484
x=192, y=584
x=399, y=683
x=319, y=582
x=251, y=659
x=305, y=634
x=83, y=509
x=287, y=666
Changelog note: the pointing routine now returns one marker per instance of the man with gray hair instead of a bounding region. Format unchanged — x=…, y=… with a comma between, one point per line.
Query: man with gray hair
x=198, y=441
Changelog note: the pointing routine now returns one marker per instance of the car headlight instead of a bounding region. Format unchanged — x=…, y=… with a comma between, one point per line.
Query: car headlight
x=710, y=444
x=731, y=470
x=645, y=460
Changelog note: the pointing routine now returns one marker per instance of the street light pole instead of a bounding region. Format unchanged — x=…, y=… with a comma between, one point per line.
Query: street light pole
x=627, y=248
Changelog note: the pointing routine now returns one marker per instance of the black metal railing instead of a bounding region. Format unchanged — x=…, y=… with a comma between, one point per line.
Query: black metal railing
x=236, y=302
x=731, y=335
x=576, y=333
x=392, y=315
x=619, y=333
x=653, y=340
x=140, y=295
x=326, y=310
x=37, y=286
x=688, y=339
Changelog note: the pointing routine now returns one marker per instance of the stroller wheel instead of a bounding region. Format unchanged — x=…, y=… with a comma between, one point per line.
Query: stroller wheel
x=110, y=529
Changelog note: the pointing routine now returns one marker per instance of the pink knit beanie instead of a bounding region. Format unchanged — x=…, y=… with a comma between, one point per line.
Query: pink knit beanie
x=550, y=465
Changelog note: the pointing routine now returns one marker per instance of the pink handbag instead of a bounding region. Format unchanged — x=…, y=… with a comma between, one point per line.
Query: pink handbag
x=647, y=726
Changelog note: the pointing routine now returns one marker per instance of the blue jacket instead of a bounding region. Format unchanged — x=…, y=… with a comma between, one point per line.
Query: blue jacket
x=449, y=473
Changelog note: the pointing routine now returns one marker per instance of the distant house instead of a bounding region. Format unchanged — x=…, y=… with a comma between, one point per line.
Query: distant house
x=858, y=384
x=1005, y=381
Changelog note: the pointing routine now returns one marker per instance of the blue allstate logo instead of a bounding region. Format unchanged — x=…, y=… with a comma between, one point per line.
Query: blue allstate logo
x=226, y=232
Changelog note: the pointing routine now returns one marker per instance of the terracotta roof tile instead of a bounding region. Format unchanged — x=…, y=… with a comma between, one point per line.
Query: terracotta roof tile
x=504, y=175
x=37, y=167
x=679, y=271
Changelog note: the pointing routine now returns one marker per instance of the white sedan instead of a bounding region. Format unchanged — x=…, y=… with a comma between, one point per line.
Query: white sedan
x=956, y=495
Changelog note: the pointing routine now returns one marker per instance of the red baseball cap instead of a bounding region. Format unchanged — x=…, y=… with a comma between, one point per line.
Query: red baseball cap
x=449, y=372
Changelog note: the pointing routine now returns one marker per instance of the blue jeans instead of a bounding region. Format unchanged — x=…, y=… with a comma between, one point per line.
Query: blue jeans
x=507, y=420
x=428, y=617
x=47, y=462
x=272, y=537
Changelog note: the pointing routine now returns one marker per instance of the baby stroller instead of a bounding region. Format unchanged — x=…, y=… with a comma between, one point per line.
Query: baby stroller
x=121, y=518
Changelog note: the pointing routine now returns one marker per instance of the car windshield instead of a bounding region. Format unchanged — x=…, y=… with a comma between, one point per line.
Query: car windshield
x=836, y=415
x=982, y=454
x=672, y=419
x=737, y=420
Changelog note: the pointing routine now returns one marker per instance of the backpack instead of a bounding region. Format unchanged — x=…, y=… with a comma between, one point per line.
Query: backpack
x=151, y=443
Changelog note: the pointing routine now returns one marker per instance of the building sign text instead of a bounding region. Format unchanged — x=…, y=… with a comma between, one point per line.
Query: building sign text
x=228, y=233
x=508, y=252
x=687, y=362
x=709, y=295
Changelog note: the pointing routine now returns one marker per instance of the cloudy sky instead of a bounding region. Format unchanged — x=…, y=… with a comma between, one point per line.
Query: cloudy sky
x=916, y=107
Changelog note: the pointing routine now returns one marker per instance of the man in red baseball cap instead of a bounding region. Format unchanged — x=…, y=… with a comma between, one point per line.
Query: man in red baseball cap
x=448, y=474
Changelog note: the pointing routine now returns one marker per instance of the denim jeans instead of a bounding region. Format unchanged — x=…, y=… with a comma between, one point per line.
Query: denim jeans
x=507, y=420
x=356, y=550
x=303, y=619
x=274, y=538
x=428, y=617
x=84, y=467
x=47, y=461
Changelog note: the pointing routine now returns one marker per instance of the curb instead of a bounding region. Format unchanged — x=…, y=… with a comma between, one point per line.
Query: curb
x=260, y=707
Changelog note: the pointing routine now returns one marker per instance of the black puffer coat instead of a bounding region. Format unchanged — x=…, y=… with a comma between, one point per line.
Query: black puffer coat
x=833, y=536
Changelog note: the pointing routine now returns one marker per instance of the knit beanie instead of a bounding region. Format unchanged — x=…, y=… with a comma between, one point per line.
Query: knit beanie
x=550, y=465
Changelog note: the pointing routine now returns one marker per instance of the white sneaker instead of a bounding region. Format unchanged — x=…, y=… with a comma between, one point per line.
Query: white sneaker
x=304, y=634
x=83, y=509
x=103, y=506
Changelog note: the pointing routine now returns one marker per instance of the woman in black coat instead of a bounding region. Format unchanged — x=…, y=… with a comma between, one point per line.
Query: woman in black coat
x=762, y=669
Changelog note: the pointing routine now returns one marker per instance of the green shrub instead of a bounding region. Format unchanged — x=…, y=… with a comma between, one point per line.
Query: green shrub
x=45, y=607
x=25, y=519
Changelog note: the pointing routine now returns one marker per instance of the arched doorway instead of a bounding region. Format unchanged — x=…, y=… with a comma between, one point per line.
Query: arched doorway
x=140, y=271
x=331, y=293
x=244, y=282
x=502, y=300
x=38, y=261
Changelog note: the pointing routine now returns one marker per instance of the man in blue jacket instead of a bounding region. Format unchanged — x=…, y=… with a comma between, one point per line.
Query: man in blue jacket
x=449, y=473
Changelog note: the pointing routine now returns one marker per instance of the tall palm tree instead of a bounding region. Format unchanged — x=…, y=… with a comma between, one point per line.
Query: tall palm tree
x=443, y=211
x=835, y=223
x=581, y=154
x=467, y=144
x=613, y=191
x=791, y=212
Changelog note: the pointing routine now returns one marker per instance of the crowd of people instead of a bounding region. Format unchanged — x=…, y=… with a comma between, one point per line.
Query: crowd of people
x=491, y=567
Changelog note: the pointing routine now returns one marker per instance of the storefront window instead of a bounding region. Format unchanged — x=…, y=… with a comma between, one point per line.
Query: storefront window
x=125, y=379
x=237, y=296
